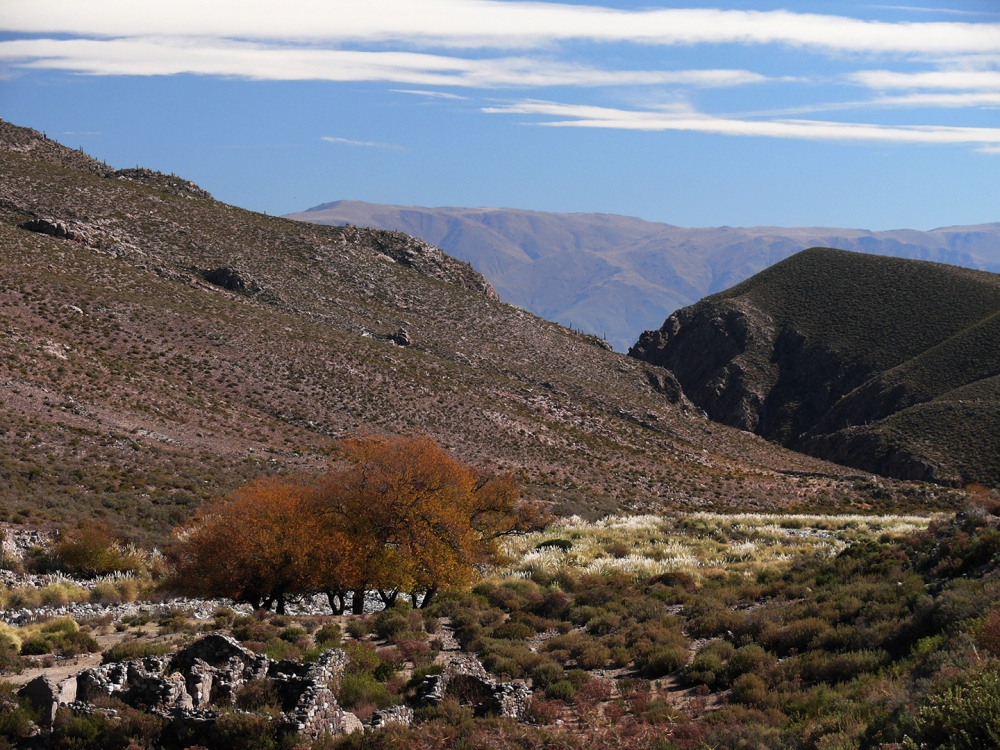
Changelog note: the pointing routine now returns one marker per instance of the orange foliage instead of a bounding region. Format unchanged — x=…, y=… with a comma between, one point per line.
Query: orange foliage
x=400, y=515
x=259, y=545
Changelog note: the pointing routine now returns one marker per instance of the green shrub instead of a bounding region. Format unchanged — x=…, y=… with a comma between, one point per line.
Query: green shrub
x=513, y=631
x=358, y=627
x=746, y=659
x=84, y=732
x=292, y=634
x=238, y=731
x=362, y=658
x=134, y=649
x=748, y=689
x=389, y=623
x=278, y=650
x=328, y=635
x=257, y=694
x=36, y=646
x=593, y=656
x=361, y=688
x=562, y=690
x=547, y=673
x=16, y=715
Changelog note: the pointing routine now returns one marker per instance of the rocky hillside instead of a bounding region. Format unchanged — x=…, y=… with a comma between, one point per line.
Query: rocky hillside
x=158, y=347
x=618, y=275
x=888, y=365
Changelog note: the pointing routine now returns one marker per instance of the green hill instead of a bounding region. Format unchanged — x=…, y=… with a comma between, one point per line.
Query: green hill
x=855, y=358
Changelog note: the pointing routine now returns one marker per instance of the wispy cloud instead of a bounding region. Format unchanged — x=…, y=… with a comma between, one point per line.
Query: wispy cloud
x=431, y=94
x=944, y=11
x=480, y=23
x=955, y=80
x=583, y=116
x=424, y=45
x=366, y=144
x=173, y=56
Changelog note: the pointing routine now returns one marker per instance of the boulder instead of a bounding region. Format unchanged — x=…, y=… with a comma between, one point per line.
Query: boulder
x=47, y=694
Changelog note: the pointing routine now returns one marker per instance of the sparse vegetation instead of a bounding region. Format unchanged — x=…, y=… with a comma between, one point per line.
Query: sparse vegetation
x=134, y=390
x=884, y=364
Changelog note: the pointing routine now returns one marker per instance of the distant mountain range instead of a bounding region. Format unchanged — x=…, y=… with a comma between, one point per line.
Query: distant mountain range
x=616, y=276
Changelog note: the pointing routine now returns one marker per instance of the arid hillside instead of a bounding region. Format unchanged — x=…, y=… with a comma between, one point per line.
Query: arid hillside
x=158, y=347
x=888, y=365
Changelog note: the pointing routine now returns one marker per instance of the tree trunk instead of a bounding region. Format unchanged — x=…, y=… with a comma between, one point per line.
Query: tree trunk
x=358, y=602
x=388, y=599
x=336, y=600
x=281, y=603
x=427, y=597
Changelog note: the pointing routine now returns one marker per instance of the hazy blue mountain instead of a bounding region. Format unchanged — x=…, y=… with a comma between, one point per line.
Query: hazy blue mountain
x=619, y=275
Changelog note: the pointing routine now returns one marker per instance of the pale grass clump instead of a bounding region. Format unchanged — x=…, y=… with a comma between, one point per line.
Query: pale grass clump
x=57, y=594
x=699, y=543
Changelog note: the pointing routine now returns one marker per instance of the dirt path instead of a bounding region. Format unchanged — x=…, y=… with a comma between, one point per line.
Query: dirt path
x=67, y=667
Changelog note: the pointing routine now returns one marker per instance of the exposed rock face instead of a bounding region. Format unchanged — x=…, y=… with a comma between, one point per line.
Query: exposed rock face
x=424, y=258
x=228, y=278
x=719, y=356
x=467, y=681
x=46, y=695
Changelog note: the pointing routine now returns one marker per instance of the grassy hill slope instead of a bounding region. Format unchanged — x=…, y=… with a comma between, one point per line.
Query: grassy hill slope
x=850, y=357
x=133, y=388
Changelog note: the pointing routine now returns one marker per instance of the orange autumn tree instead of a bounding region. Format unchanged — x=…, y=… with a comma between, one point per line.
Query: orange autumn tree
x=260, y=545
x=399, y=515
x=419, y=519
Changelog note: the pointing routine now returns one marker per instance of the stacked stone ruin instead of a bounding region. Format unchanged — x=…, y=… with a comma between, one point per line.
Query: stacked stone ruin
x=466, y=680
x=185, y=686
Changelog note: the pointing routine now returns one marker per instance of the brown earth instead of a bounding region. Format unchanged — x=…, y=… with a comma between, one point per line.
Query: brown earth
x=132, y=388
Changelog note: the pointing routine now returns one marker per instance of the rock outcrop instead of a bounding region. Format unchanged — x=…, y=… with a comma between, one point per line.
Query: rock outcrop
x=47, y=694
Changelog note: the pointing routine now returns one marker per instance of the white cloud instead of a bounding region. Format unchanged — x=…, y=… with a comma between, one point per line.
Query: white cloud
x=154, y=56
x=479, y=23
x=585, y=116
x=366, y=144
x=431, y=94
x=989, y=149
x=955, y=80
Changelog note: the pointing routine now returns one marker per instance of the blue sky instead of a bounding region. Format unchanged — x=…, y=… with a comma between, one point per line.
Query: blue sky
x=875, y=116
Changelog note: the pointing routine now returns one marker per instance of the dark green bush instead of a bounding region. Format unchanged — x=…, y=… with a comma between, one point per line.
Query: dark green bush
x=255, y=695
x=292, y=634
x=134, y=649
x=363, y=688
x=547, y=673
x=328, y=635
x=390, y=622
x=562, y=690
x=237, y=731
